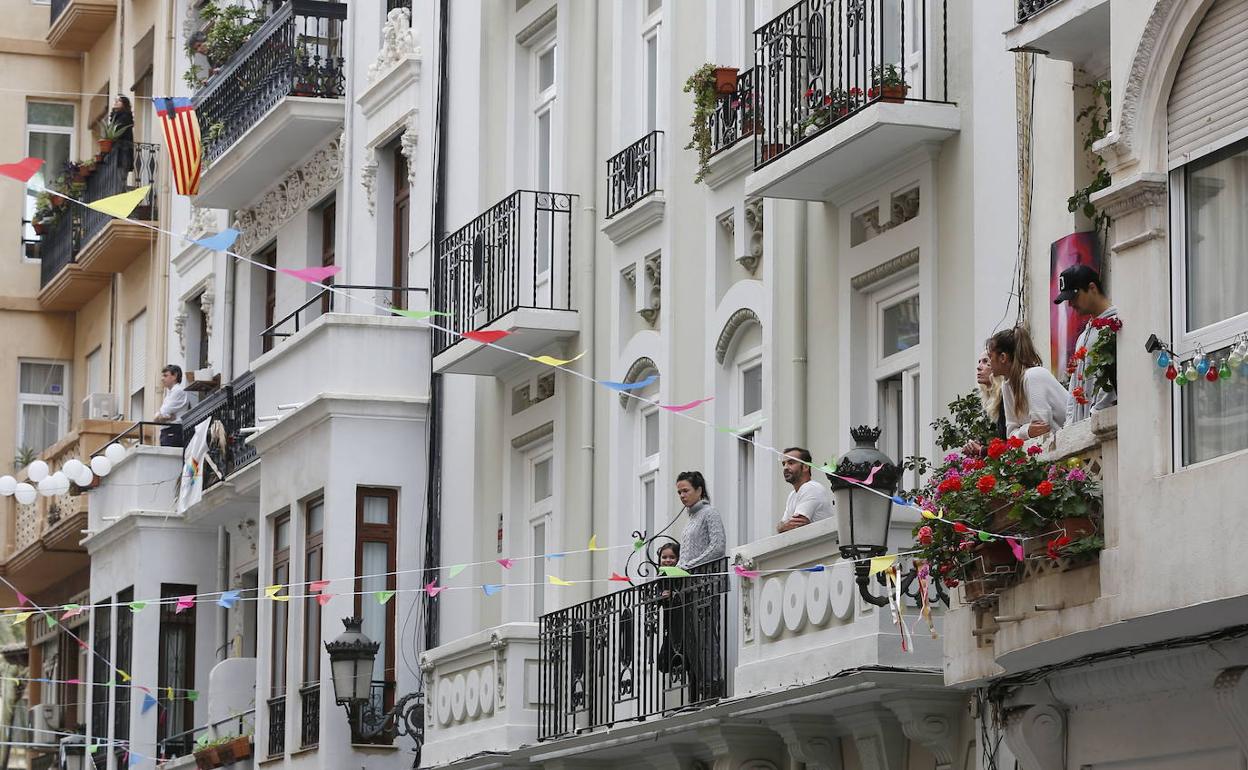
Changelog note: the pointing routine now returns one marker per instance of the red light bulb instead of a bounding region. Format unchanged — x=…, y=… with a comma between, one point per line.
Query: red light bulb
x=1172, y=373
x=1212, y=374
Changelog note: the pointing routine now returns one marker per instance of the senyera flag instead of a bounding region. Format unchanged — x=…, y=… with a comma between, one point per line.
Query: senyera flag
x=181, y=127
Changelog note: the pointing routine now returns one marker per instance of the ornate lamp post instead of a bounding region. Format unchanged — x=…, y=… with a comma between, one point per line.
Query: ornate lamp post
x=351, y=658
x=863, y=515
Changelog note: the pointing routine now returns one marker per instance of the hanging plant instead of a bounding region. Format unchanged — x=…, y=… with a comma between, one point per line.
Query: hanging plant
x=1096, y=115
x=702, y=85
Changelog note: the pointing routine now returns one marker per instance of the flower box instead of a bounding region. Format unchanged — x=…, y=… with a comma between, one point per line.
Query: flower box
x=223, y=754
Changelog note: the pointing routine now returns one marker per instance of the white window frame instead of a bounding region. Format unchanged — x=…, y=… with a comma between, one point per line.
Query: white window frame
x=42, y=399
x=1209, y=338
x=28, y=202
x=648, y=467
x=745, y=453
x=906, y=363
x=538, y=513
x=651, y=30
x=544, y=102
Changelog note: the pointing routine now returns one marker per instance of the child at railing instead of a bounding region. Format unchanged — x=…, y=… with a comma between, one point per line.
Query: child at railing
x=671, y=660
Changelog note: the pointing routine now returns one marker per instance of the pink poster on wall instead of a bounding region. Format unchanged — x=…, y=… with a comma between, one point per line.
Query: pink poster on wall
x=1064, y=323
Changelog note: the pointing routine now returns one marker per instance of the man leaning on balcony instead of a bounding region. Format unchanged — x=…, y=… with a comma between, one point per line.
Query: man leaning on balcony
x=1083, y=288
x=176, y=404
x=809, y=501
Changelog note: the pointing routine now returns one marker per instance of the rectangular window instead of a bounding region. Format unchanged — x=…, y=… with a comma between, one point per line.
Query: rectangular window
x=752, y=390
x=312, y=563
x=42, y=404
x=136, y=366
x=745, y=487
x=268, y=257
x=176, y=668
x=1211, y=285
x=281, y=610
x=402, y=228
x=540, y=493
x=202, y=324
x=543, y=96
x=376, y=529
x=651, y=426
x=538, y=575
x=95, y=372
x=102, y=672
x=50, y=136
x=122, y=695
x=650, y=44
x=329, y=225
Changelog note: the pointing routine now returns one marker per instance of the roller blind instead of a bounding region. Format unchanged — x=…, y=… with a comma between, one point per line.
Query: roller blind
x=137, y=351
x=1207, y=108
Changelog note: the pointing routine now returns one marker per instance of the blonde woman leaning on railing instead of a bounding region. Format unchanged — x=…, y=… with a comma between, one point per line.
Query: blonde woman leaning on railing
x=1035, y=402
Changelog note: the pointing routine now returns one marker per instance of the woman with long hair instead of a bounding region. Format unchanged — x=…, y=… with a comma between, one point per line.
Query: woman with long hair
x=1034, y=401
x=703, y=538
x=990, y=393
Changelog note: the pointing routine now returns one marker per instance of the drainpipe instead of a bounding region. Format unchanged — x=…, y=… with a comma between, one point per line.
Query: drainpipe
x=801, y=301
x=589, y=284
x=223, y=576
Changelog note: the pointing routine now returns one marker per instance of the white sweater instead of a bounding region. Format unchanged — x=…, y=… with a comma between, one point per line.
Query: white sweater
x=1046, y=401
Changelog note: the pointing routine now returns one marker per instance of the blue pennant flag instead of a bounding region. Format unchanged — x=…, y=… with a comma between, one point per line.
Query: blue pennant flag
x=228, y=599
x=148, y=702
x=491, y=588
x=220, y=241
x=631, y=385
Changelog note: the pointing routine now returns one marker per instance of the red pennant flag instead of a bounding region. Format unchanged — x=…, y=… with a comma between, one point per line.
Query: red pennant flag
x=317, y=586
x=618, y=578
x=486, y=337
x=323, y=599
x=23, y=170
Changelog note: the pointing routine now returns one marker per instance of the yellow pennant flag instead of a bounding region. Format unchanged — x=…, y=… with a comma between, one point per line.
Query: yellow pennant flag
x=593, y=543
x=929, y=515
x=123, y=204
x=271, y=593
x=21, y=617
x=552, y=361
x=554, y=581
x=124, y=676
x=881, y=563
x=169, y=692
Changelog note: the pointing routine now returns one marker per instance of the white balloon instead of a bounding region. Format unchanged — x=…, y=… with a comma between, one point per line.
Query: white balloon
x=7, y=485
x=61, y=481
x=47, y=487
x=114, y=453
x=101, y=466
x=72, y=468
x=85, y=479
x=37, y=471
x=25, y=493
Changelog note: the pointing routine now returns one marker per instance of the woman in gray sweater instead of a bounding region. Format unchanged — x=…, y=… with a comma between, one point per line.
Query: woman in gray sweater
x=703, y=538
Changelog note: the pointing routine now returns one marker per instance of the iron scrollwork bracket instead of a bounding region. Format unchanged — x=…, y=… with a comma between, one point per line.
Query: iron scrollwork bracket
x=406, y=718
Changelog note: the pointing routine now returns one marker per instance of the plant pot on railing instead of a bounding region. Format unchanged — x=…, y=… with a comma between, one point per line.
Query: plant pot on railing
x=106, y=146
x=772, y=150
x=234, y=750
x=207, y=758
x=39, y=227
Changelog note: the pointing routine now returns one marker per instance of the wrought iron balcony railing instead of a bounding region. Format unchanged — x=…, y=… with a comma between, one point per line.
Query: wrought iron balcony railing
x=1028, y=8
x=277, y=726
x=298, y=51
x=518, y=254
x=309, y=715
x=110, y=178
x=633, y=173
x=59, y=244
x=822, y=61
x=733, y=119
x=234, y=406
x=646, y=650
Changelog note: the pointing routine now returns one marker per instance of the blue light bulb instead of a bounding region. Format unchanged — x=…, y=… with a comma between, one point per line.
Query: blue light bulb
x=1202, y=368
x=1163, y=360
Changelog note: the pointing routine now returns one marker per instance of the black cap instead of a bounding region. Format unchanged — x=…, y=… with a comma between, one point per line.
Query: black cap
x=1072, y=279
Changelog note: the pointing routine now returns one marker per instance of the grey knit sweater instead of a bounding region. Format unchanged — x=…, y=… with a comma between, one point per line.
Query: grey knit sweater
x=703, y=538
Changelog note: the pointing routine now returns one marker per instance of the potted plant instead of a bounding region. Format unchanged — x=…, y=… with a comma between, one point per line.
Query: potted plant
x=887, y=84
x=110, y=131
x=726, y=80
x=702, y=85
x=234, y=748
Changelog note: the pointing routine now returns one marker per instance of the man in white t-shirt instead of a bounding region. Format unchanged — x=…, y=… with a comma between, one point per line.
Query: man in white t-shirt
x=809, y=501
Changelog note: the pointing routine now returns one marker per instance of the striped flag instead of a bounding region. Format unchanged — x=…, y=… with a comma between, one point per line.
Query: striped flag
x=181, y=127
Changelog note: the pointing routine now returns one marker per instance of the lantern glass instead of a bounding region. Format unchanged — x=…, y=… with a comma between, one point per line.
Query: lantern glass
x=862, y=517
x=351, y=658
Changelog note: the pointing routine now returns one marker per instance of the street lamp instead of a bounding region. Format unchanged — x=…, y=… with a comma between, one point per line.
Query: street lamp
x=864, y=509
x=351, y=659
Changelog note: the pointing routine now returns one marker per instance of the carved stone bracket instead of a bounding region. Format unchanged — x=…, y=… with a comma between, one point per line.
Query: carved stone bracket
x=179, y=328
x=200, y=223
x=1231, y=691
x=407, y=145
x=206, y=302
x=753, y=236
x=398, y=42
x=651, y=289
x=1138, y=208
x=368, y=178
x=931, y=721
x=810, y=741
x=880, y=741
x=499, y=645
x=743, y=747
x=1036, y=735
x=300, y=189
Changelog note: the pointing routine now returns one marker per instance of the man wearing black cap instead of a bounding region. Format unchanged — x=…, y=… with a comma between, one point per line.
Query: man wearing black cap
x=1081, y=286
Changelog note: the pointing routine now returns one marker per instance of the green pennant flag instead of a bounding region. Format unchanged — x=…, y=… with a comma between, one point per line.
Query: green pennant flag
x=137, y=607
x=828, y=467
x=51, y=620
x=674, y=572
x=192, y=695
x=985, y=536
x=455, y=570
x=639, y=544
x=418, y=314
x=94, y=747
x=384, y=596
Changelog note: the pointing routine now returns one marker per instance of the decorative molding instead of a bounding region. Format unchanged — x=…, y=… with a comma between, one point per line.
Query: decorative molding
x=885, y=270
x=1230, y=689
x=297, y=192
x=407, y=145
x=398, y=42
x=753, y=236
x=179, y=328
x=728, y=221
x=543, y=431
x=1140, y=191
x=499, y=645
x=1036, y=735
x=810, y=741
x=368, y=178
x=1146, y=66
x=639, y=217
x=880, y=741
x=747, y=601
x=932, y=721
x=247, y=528
x=729, y=332
x=651, y=289
x=202, y=221
x=639, y=368
x=206, y=302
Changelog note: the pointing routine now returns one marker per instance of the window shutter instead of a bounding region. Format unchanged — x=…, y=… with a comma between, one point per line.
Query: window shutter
x=1207, y=108
x=137, y=336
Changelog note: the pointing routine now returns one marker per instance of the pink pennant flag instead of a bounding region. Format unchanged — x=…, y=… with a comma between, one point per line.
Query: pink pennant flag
x=871, y=476
x=317, y=586
x=742, y=572
x=1016, y=547
x=83, y=644
x=22, y=601
x=184, y=603
x=506, y=563
x=73, y=681
x=23, y=170
x=312, y=274
x=323, y=599
x=433, y=589
x=618, y=578
x=686, y=407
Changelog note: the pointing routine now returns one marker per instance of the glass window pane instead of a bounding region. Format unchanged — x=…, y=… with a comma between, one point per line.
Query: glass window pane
x=50, y=114
x=546, y=70
x=653, y=6
x=40, y=426
x=648, y=503
x=652, y=82
x=899, y=328
x=376, y=510
x=316, y=516
x=312, y=637
x=375, y=563
x=543, y=151
x=281, y=535
x=538, y=577
x=1217, y=237
x=53, y=148
x=541, y=480
x=43, y=379
x=652, y=434
x=1215, y=417
x=752, y=390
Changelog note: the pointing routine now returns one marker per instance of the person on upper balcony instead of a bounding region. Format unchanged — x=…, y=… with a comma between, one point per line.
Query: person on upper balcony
x=1082, y=287
x=177, y=403
x=809, y=501
x=1035, y=402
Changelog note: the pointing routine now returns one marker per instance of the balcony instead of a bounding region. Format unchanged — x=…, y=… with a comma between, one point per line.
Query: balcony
x=482, y=693
x=277, y=99
x=1076, y=31
x=842, y=88
x=42, y=544
x=76, y=24
x=229, y=491
x=510, y=269
x=633, y=193
x=84, y=246
x=730, y=125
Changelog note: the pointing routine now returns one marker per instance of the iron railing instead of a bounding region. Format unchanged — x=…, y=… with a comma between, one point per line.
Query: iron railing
x=58, y=246
x=822, y=61
x=240, y=724
x=234, y=406
x=298, y=51
x=277, y=726
x=518, y=254
x=1028, y=8
x=634, y=653
x=110, y=178
x=733, y=118
x=633, y=173
x=322, y=308
x=309, y=715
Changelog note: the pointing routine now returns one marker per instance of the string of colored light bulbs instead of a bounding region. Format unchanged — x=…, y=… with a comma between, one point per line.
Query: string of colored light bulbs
x=1201, y=367
x=222, y=242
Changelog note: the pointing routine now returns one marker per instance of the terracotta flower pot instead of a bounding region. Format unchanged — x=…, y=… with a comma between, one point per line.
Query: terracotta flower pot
x=207, y=759
x=772, y=150
x=894, y=93
x=39, y=227
x=239, y=748
x=1077, y=527
x=994, y=555
x=725, y=80
x=106, y=146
